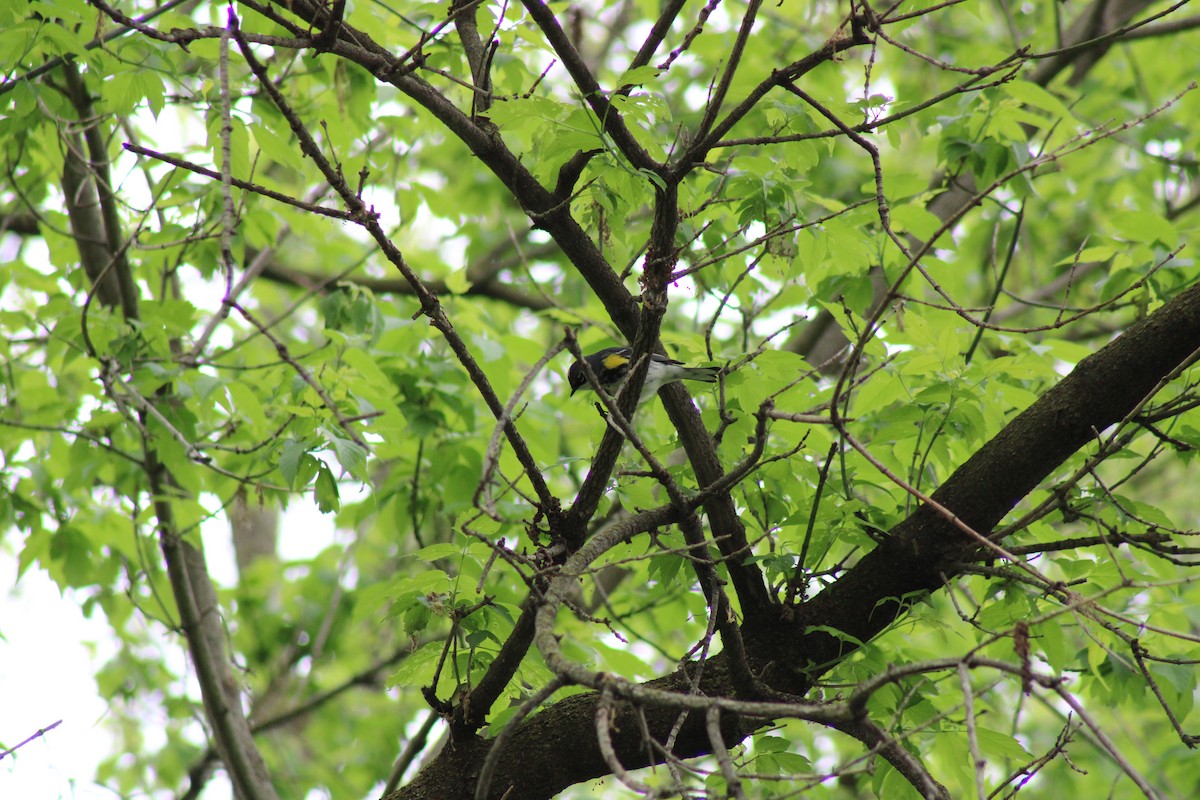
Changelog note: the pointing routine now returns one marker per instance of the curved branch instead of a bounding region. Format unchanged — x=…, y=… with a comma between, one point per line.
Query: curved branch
x=915, y=559
x=547, y=210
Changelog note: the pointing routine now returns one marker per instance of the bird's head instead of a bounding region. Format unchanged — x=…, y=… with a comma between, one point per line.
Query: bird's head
x=576, y=377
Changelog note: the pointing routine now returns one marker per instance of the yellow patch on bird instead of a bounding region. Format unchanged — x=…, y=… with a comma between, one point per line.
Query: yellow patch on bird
x=615, y=360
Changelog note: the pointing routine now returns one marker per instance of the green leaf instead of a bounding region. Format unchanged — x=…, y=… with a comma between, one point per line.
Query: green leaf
x=891, y=784
x=457, y=281
x=1144, y=226
x=637, y=76
x=325, y=491
x=417, y=668
x=1001, y=745
x=435, y=552
x=351, y=455
x=1035, y=96
x=290, y=459
x=835, y=633
x=916, y=220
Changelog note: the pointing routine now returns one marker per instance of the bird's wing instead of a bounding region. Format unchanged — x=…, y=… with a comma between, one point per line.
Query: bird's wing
x=615, y=360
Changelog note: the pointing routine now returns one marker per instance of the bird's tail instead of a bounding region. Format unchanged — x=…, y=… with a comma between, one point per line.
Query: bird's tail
x=702, y=374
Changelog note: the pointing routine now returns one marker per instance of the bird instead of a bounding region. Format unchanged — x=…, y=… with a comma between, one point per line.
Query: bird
x=611, y=366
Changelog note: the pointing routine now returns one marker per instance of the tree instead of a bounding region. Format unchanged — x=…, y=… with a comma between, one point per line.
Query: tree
x=927, y=536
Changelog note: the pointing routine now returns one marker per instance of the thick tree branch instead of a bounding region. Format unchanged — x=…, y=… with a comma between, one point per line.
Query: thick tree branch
x=200, y=619
x=921, y=551
x=91, y=207
x=87, y=222
x=916, y=557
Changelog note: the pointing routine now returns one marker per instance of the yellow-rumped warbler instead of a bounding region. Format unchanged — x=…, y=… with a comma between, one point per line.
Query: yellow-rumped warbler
x=611, y=366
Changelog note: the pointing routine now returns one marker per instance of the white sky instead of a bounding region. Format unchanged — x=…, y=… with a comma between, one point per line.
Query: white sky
x=46, y=675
